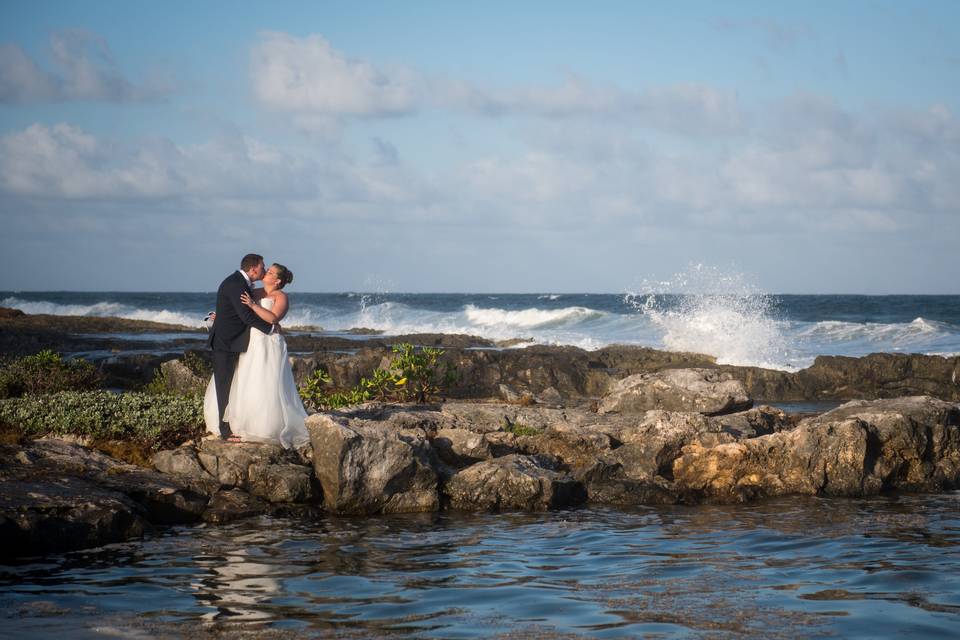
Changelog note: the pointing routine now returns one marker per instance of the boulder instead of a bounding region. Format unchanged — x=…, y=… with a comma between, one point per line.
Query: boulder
x=460, y=447
x=705, y=391
x=57, y=496
x=758, y=421
x=229, y=505
x=265, y=470
x=366, y=466
x=861, y=448
x=179, y=379
x=529, y=483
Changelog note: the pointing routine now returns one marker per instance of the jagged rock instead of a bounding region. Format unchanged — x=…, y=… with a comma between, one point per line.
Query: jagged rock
x=366, y=467
x=178, y=378
x=758, y=421
x=265, y=470
x=622, y=491
x=284, y=482
x=230, y=505
x=705, y=391
x=460, y=448
x=183, y=463
x=861, y=448
x=56, y=496
x=513, y=482
x=550, y=396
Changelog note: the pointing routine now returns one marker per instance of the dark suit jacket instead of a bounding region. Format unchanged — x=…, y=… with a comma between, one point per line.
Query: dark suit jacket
x=231, y=329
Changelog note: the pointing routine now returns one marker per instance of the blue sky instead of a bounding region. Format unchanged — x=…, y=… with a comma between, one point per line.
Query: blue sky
x=437, y=146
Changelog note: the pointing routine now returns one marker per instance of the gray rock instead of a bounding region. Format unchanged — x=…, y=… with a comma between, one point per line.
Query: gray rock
x=367, y=467
x=230, y=505
x=178, y=378
x=759, y=421
x=513, y=482
x=706, y=391
x=183, y=463
x=861, y=448
x=283, y=482
x=460, y=448
x=56, y=496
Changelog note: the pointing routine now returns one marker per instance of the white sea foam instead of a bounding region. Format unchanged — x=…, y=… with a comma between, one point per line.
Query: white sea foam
x=529, y=318
x=723, y=314
x=104, y=310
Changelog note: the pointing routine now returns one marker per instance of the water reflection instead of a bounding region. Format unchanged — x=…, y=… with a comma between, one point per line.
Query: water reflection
x=870, y=568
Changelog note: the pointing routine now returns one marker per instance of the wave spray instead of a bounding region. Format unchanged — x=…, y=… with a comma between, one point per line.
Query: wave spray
x=718, y=313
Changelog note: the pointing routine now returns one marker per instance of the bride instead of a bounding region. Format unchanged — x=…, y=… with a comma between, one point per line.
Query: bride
x=264, y=405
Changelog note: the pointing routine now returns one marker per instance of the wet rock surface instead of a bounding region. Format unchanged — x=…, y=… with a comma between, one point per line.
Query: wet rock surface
x=56, y=496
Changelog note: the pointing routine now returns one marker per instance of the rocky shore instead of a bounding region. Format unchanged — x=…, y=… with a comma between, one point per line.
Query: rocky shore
x=552, y=374
x=532, y=428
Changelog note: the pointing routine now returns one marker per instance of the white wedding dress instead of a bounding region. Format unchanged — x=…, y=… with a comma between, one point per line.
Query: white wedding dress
x=264, y=403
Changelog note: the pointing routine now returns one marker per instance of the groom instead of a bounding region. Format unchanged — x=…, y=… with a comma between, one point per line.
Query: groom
x=230, y=333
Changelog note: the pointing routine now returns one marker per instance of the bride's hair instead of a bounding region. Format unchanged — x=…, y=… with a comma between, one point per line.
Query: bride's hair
x=284, y=275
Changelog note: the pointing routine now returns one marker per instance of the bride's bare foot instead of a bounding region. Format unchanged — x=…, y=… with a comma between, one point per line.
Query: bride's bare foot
x=235, y=439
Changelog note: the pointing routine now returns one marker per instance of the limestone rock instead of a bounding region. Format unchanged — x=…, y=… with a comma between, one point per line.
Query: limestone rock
x=284, y=482
x=230, y=505
x=705, y=391
x=861, y=448
x=460, y=448
x=365, y=467
x=513, y=482
x=57, y=496
x=178, y=378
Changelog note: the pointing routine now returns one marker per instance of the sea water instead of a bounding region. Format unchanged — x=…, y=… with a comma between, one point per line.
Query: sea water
x=884, y=567
x=736, y=325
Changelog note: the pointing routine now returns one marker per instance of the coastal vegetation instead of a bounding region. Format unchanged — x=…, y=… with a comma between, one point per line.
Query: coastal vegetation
x=46, y=395
x=46, y=372
x=413, y=375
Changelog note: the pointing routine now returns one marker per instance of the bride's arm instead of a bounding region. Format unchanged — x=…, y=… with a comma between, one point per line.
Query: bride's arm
x=264, y=314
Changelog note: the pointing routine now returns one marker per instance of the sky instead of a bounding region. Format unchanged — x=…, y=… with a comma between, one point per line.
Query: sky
x=813, y=147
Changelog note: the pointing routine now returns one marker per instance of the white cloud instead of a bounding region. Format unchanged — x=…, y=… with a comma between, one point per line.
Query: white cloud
x=310, y=79
x=307, y=75
x=84, y=70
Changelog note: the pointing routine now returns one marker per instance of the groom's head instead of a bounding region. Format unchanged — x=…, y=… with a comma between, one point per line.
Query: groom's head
x=252, y=265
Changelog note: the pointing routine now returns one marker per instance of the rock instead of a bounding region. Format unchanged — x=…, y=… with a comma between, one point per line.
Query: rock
x=265, y=470
x=550, y=396
x=460, y=448
x=230, y=505
x=759, y=421
x=367, y=467
x=513, y=482
x=179, y=379
x=183, y=463
x=861, y=448
x=705, y=391
x=621, y=491
x=283, y=482
x=57, y=496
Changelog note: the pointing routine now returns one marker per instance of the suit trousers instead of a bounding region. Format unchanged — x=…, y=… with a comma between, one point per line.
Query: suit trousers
x=224, y=366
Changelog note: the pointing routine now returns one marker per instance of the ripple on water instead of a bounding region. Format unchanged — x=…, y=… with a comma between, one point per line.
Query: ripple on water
x=805, y=566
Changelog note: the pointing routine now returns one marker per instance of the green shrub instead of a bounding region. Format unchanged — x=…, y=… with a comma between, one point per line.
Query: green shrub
x=414, y=375
x=155, y=421
x=47, y=372
x=197, y=364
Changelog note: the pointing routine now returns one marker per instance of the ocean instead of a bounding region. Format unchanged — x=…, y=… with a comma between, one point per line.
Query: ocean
x=744, y=328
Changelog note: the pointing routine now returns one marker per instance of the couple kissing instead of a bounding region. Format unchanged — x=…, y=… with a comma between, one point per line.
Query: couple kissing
x=252, y=396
